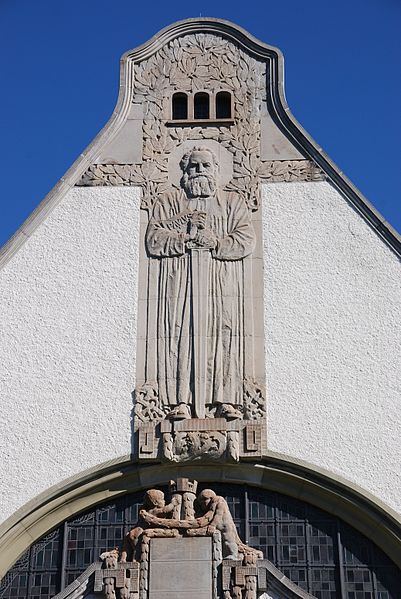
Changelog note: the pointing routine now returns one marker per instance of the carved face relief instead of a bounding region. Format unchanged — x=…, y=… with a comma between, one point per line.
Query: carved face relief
x=154, y=498
x=205, y=498
x=201, y=351
x=199, y=173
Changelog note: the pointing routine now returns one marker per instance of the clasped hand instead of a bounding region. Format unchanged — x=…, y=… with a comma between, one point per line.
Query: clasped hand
x=203, y=237
x=198, y=219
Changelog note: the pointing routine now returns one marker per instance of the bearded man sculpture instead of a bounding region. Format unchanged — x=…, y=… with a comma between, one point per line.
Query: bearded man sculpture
x=200, y=235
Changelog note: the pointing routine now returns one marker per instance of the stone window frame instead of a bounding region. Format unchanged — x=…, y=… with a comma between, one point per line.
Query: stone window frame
x=191, y=120
x=178, y=95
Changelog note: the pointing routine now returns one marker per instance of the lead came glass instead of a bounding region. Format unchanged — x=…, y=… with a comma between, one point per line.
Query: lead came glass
x=305, y=543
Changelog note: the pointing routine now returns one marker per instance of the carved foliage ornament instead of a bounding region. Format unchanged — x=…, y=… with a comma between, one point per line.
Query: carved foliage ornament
x=192, y=63
x=272, y=171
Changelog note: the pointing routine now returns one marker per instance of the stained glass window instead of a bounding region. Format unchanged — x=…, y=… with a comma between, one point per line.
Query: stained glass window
x=316, y=550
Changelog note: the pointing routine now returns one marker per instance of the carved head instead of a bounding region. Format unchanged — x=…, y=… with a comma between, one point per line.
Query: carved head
x=110, y=558
x=205, y=499
x=153, y=498
x=199, y=167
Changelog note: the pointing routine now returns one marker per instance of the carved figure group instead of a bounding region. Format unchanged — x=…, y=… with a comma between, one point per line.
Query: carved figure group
x=186, y=515
x=154, y=506
x=156, y=519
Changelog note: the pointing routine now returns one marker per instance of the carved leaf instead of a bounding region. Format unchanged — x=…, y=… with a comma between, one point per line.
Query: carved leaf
x=107, y=169
x=115, y=180
x=123, y=171
x=189, y=63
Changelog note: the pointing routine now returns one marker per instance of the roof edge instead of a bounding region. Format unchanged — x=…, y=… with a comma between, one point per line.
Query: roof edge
x=277, y=104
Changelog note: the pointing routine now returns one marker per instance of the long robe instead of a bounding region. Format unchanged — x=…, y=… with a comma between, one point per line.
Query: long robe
x=228, y=218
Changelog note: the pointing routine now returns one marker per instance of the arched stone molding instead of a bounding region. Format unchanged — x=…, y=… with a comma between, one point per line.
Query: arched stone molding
x=273, y=472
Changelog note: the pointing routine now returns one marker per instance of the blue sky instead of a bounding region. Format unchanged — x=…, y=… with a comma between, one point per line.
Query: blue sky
x=60, y=71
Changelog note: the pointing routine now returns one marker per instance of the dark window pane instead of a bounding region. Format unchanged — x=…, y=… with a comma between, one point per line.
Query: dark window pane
x=297, y=575
x=201, y=106
x=180, y=106
x=80, y=547
x=324, y=583
x=46, y=553
x=14, y=585
x=111, y=514
x=322, y=543
x=223, y=105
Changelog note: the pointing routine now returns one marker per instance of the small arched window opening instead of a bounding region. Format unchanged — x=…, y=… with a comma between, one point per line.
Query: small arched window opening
x=223, y=105
x=201, y=106
x=180, y=106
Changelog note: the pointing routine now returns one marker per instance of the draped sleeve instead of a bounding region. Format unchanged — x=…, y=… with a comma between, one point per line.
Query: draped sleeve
x=166, y=232
x=240, y=238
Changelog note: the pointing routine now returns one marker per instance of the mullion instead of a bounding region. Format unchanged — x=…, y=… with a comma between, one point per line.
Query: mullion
x=341, y=570
x=308, y=555
x=64, y=557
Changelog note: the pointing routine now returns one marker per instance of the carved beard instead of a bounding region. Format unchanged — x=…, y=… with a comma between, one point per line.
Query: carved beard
x=198, y=185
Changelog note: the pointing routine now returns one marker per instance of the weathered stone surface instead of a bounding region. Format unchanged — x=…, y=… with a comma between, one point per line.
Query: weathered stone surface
x=199, y=241
x=179, y=567
x=183, y=548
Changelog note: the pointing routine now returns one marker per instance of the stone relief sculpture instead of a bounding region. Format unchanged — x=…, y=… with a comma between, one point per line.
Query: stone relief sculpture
x=200, y=352
x=153, y=507
x=200, y=369
x=168, y=531
x=186, y=515
x=199, y=241
x=201, y=235
x=200, y=374
x=212, y=515
x=191, y=63
x=270, y=171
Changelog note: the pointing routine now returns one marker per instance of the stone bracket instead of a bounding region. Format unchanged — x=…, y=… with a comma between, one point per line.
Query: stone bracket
x=239, y=580
x=210, y=439
x=119, y=576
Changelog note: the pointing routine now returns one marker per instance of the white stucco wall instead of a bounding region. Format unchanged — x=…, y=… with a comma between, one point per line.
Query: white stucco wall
x=333, y=338
x=68, y=326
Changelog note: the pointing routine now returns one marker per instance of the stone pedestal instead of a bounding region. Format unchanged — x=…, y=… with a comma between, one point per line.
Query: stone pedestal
x=181, y=568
